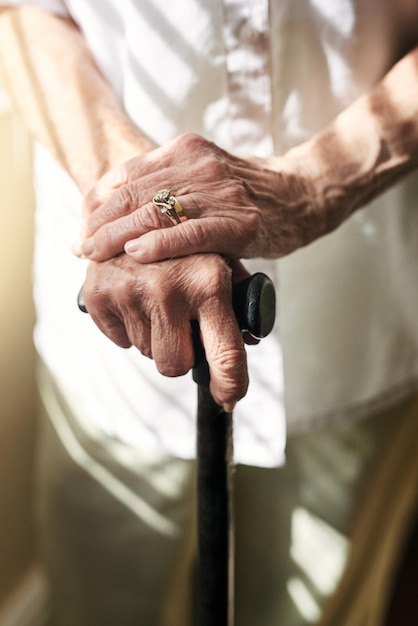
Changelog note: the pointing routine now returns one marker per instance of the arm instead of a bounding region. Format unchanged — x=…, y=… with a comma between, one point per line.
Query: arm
x=59, y=92
x=265, y=207
x=369, y=147
x=67, y=104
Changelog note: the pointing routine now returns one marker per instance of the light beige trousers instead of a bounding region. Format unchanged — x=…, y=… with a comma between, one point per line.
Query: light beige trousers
x=317, y=541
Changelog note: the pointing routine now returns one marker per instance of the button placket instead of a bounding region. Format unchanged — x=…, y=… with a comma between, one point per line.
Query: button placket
x=246, y=39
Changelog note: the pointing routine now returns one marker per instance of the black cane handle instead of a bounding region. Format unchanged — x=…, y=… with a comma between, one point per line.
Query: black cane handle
x=254, y=304
x=80, y=301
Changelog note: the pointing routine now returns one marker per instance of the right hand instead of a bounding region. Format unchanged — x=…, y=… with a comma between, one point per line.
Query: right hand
x=151, y=306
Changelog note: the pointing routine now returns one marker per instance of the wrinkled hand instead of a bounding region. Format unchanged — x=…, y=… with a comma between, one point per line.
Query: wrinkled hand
x=151, y=306
x=236, y=207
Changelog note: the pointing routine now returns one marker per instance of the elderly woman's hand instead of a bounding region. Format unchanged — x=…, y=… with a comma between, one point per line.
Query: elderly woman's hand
x=236, y=207
x=151, y=306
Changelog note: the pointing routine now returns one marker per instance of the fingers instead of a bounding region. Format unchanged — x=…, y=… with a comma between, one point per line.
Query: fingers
x=116, y=178
x=124, y=200
x=109, y=239
x=230, y=204
x=126, y=212
x=221, y=337
x=226, y=356
x=147, y=235
x=182, y=240
x=220, y=235
x=108, y=322
x=172, y=348
x=126, y=188
x=151, y=307
x=156, y=239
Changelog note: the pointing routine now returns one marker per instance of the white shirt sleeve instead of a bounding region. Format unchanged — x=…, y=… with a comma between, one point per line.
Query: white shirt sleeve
x=57, y=7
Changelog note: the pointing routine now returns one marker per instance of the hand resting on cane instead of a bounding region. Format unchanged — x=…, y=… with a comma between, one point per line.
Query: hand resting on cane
x=151, y=306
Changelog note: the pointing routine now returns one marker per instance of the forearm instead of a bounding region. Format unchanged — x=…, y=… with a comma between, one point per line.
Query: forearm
x=369, y=146
x=61, y=95
x=264, y=207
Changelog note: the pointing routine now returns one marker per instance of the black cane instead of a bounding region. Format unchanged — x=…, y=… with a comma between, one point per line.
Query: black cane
x=254, y=307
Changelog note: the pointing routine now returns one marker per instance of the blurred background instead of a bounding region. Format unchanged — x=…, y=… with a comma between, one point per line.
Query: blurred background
x=22, y=590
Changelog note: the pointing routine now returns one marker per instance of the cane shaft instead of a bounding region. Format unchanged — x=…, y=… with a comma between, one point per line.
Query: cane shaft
x=253, y=301
x=215, y=513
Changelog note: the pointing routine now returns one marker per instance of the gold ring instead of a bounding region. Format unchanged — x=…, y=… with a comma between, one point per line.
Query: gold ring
x=170, y=206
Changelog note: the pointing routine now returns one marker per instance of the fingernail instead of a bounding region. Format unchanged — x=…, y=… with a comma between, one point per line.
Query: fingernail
x=131, y=246
x=87, y=247
x=228, y=407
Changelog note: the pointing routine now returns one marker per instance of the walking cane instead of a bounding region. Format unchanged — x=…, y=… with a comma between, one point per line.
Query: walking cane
x=254, y=307
x=253, y=301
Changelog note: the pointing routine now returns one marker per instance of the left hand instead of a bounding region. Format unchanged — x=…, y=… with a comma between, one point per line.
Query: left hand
x=236, y=207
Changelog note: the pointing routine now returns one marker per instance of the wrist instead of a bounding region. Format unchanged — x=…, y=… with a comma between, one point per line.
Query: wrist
x=117, y=148
x=337, y=170
x=300, y=197
x=324, y=175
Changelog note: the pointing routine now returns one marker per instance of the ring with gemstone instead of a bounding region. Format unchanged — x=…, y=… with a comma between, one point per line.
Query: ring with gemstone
x=170, y=206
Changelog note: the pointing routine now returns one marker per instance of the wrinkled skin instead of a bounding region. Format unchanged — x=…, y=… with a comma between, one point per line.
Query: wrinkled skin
x=236, y=207
x=151, y=306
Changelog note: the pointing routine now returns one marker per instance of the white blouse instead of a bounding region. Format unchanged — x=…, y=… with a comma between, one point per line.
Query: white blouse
x=256, y=77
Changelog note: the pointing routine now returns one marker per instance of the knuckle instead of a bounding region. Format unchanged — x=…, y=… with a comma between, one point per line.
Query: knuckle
x=231, y=368
x=228, y=359
x=238, y=191
x=116, y=177
x=200, y=150
x=105, y=318
x=96, y=296
x=139, y=332
x=123, y=201
x=157, y=289
x=246, y=231
x=147, y=217
x=216, y=274
x=90, y=201
x=172, y=356
x=191, y=140
x=106, y=242
x=191, y=237
x=104, y=188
